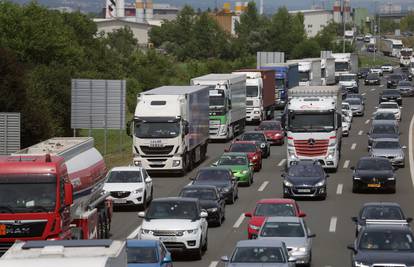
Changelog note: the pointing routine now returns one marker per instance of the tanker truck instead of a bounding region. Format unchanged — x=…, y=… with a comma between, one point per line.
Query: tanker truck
x=53, y=191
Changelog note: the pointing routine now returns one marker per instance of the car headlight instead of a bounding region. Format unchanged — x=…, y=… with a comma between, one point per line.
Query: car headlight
x=360, y=264
x=356, y=178
x=262, y=145
x=399, y=156
x=244, y=172
x=254, y=227
x=287, y=183
x=192, y=231
x=321, y=183
x=299, y=249
x=225, y=189
x=146, y=231
x=212, y=210
x=139, y=190
x=254, y=157
x=391, y=178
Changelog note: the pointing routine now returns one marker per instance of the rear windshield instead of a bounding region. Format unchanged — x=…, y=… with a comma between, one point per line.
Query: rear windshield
x=243, y=148
x=274, y=209
x=282, y=229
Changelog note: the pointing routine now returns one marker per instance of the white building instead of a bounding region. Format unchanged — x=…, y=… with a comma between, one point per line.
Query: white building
x=314, y=20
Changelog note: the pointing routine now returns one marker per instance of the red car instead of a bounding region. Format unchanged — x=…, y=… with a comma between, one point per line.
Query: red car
x=273, y=131
x=254, y=153
x=269, y=208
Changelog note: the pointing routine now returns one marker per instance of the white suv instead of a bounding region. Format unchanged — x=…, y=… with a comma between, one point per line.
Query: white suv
x=129, y=185
x=178, y=222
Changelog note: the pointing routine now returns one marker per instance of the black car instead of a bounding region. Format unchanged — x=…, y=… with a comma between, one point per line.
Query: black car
x=379, y=212
x=373, y=173
x=260, y=139
x=393, y=80
x=383, y=245
x=372, y=79
x=306, y=178
x=210, y=199
x=390, y=95
x=222, y=178
x=383, y=129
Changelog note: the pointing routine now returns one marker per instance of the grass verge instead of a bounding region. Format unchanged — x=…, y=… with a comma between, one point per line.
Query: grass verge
x=368, y=61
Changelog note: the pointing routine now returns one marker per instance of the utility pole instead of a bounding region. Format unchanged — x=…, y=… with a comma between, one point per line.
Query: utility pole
x=343, y=22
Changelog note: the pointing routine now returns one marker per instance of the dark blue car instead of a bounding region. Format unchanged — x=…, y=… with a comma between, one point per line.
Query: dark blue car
x=148, y=253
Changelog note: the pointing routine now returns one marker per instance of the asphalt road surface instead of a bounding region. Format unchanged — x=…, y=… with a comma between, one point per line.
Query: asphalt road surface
x=330, y=219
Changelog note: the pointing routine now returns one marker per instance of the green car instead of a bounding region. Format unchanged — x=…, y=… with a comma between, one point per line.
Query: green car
x=239, y=164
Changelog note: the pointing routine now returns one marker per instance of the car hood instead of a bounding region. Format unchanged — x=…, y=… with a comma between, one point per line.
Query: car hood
x=373, y=173
x=235, y=168
x=387, y=152
x=207, y=204
x=169, y=224
x=371, y=257
x=291, y=242
x=307, y=181
x=111, y=187
x=250, y=264
x=356, y=107
x=384, y=135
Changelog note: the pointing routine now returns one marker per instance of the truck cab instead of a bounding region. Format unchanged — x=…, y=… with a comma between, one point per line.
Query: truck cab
x=342, y=64
x=406, y=56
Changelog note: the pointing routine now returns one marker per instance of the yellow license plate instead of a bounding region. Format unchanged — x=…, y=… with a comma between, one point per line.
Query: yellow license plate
x=374, y=185
x=3, y=229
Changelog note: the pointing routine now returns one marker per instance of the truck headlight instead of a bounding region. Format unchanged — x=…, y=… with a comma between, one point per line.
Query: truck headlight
x=137, y=162
x=176, y=163
x=332, y=144
x=287, y=183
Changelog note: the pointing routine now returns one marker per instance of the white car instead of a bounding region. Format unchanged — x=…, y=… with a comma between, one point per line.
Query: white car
x=349, y=81
x=390, y=106
x=387, y=68
x=377, y=70
x=129, y=186
x=347, y=111
x=346, y=126
x=178, y=222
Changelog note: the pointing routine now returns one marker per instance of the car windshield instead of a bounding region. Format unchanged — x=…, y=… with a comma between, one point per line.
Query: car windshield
x=389, y=105
x=252, y=91
x=27, y=193
x=213, y=176
x=384, y=129
x=274, y=209
x=386, y=144
x=372, y=76
x=142, y=255
x=243, y=148
x=200, y=193
x=346, y=78
x=384, y=116
x=282, y=229
x=157, y=129
x=124, y=177
x=270, y=126
x=258, y=255
x=386, y=240
x=353, y=101
x=374, y=164
x=381, y=213
x=305, y=170
x=172, y=210
x=253, y=137
x=233, y=160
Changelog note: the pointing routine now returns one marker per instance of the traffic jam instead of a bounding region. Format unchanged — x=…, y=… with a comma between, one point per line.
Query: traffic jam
x=259, y=167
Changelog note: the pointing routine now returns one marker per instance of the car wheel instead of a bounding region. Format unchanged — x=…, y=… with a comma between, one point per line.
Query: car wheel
x=355, y=188
x=223, y=216
x=392, y=189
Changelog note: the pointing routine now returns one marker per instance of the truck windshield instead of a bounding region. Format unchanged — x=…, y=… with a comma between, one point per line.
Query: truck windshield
x=252, y=91
x=315, y=122
x=280, y=83
x=217, y=99
x=304, y=76
x=27, y=193
x=341, y=66
x=397, y=46
x=157, y=129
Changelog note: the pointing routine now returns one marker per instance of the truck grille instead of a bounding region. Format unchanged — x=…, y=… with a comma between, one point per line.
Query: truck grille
x=20, y=229
x=249, y=103
x=120, y=194
x=156, y=150
x=309, y=149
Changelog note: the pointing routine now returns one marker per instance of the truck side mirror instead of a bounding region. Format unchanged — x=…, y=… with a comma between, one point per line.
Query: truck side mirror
x=186, y=128
x=68, y=194
x=229, y=104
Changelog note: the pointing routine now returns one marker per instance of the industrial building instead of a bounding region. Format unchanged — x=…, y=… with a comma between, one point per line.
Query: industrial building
x=315, y=20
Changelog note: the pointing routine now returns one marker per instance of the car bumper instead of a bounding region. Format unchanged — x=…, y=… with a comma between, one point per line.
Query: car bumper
x=374, y=185
x=176, y=244
x=275, y=140
x=131, y=200
x=301, y=258
x=242, y=178
x=307, y=192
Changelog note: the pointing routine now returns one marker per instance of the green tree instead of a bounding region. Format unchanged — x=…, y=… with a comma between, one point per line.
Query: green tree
x=307, y=48
x=407, y=23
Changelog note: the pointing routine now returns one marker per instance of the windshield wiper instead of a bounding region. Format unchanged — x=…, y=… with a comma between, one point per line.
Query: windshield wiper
x=6, y=208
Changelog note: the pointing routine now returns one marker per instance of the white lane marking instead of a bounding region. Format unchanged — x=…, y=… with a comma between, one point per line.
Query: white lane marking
x=213, y=264
x=353, y=146
x=363, y=94
x=263, y=186
x=332, y=224
x=239, y=221
x=346, y=164
x=367, y=121
x=134, y=234
x=381, y=85
x=360, y=132
x=339, y=189
x=410, y=149
x=281, y=162
x=373, y=89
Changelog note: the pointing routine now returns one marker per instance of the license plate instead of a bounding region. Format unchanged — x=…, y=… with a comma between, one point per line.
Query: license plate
x=374, y=185
x=168, y=238
x=304, y=190
x=3, y=229
x=120, y=201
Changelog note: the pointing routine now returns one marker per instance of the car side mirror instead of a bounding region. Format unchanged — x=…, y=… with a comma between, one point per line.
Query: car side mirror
x=167, y=259
x=302, y=214
x=203, y=214
x=354, y=219
x=311, y=235
x=248, y=214
x=148, y=180
x=404, y=147
x=225, y=259
x=351, y=247
x=68, y=194
x=214, y=163
x=409, y=219
x=141, y=214
x=233, y=179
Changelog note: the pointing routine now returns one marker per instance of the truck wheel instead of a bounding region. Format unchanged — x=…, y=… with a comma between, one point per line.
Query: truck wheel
x=190, y=161
x=185, y=164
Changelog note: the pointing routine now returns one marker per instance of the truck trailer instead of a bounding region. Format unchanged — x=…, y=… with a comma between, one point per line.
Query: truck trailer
x=171, y=128
x=227, y=103
x=314, y=129
x=286, y=77
x=53, y=190
x=309, y=71
x=66, y=253
x=260, y=94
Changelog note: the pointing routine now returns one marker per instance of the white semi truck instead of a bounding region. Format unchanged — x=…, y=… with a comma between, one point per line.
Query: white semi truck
x=342, y=64
x=66, y=253
x=314, y=125
x=309, y=71
x=391, y=47
x=170, y=128
x=227, y=103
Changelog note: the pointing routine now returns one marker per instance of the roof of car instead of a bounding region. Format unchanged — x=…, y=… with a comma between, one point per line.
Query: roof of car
x=308, y=162
x=234, y=154
x=244, y=142
x=386, y=140
x=213, y=168
x=195, y=186
x=284, y=219
x=259, y=243
x=182, y=199
x=277, y=201
x=270, y=121
x=381, y=204
x=141, y=243
x=252, y=132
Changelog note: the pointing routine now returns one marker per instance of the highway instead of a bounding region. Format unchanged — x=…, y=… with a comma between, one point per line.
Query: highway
x=329, y=219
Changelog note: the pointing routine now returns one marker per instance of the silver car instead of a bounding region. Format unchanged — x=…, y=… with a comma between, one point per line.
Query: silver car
x=357, y=106
x=259, y=253
x=294, y=232
x=405, y=88
x=389, y=148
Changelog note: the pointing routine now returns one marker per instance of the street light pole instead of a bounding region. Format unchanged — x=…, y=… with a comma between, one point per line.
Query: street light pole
x=343, y=22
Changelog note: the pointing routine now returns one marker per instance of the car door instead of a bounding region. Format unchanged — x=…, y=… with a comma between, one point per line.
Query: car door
x=203, y=222
x=148, y=185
